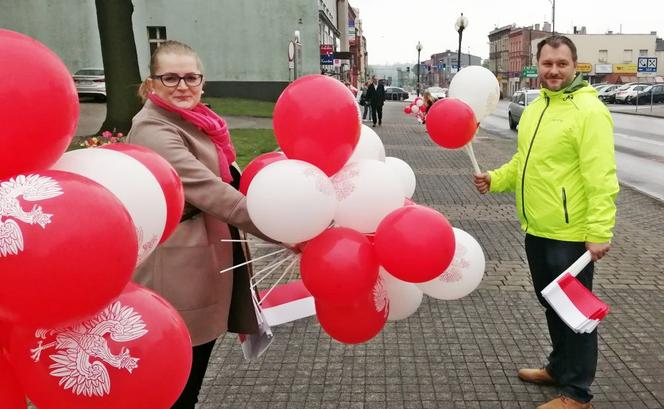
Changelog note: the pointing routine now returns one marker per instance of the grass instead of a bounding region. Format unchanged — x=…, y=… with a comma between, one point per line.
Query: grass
x=241, y=107
x=250, y=143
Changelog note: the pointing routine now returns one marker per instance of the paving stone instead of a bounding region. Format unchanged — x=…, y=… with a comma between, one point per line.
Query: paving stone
x=465, y=353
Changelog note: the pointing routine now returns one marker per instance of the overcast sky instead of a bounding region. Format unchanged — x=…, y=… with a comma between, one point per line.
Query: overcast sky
x=393, y=27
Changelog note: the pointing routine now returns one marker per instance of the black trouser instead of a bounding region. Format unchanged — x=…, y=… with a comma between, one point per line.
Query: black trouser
x=573, y=360
x=377, y=109
x=199, y=363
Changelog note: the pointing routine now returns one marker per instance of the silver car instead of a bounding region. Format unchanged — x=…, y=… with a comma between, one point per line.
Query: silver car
x=520, y=101
x=90, y=82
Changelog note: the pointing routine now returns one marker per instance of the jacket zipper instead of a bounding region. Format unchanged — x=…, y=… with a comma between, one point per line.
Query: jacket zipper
x=565, y=206
x=525, y=165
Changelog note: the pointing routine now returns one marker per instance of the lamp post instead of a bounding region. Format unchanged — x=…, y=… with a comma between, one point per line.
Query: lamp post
x=459, y=26
x=553, y=16
x=419, y=49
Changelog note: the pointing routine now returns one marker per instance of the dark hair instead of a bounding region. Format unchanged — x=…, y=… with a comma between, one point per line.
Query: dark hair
x=556, y=41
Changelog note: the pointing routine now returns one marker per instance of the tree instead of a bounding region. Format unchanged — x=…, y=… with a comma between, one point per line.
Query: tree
x=118, y=51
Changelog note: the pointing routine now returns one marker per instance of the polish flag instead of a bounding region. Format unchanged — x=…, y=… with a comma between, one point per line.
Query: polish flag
x=287, y=302
x=577, y=306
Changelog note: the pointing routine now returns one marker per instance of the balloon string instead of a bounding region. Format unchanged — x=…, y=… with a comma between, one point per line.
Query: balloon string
x=286, y=271
x=269, y=269
x=471, y=154
x=252, y=260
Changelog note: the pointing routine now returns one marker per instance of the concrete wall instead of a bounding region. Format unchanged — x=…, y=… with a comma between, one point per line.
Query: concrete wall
x=69, y=28
x=243, y=44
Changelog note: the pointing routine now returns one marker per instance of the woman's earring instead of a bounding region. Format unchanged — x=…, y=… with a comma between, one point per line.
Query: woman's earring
x=203, y=92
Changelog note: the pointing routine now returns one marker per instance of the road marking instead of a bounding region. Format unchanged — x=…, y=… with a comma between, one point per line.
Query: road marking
x=639, y=139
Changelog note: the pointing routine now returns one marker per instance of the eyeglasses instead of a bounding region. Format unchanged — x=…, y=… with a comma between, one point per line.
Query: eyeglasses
x=173, y=80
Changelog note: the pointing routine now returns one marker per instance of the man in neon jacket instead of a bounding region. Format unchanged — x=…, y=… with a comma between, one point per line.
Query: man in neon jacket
x=564, y=176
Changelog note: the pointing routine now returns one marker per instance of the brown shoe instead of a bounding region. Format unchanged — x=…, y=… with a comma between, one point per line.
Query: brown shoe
x=539, y=376
x=564, y=402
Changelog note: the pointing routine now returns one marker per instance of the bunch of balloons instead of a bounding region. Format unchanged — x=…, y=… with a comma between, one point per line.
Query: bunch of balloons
x=74, y=332
x=473, y=95
x=417, y=108
x=366, y=247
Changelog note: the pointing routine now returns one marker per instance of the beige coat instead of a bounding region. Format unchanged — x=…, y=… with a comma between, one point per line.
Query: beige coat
x=185, y=268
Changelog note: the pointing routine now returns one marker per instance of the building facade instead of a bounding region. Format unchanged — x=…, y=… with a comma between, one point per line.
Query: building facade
x=243, y=45
x=442, y=67
x=614, y=57
x=520, y=56
x=499, y=56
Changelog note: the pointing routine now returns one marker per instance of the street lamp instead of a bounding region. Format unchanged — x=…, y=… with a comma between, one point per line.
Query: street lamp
x=459, y=26
x=553, y=16
x=419, y=49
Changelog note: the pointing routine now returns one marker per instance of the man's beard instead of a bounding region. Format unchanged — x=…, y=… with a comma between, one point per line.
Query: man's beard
x=564, y=83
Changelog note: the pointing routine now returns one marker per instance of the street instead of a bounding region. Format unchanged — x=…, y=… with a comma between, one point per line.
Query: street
x=639, y=142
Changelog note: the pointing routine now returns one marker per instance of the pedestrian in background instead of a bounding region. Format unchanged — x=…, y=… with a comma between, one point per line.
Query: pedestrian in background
x=185, y=268
x=564, y=175
x=428, y=102
x=364, y=101
x=376, y=96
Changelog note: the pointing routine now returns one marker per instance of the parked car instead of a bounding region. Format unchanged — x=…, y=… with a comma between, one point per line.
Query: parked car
x=520, y=100
x=626, y=93
x=437, y=92
x=654, y=93
x=395, y=93
x=607, y=93
x=90, y=82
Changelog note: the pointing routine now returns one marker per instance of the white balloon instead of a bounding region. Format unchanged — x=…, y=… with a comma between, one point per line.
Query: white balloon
x=464, y=274
x=414, y=109
x=291, y=201
x=478, y=87
x=367, y=191
x=131, y=182
x=368, y=147
x=405, y=174
x=404, y=298
x=419, y=102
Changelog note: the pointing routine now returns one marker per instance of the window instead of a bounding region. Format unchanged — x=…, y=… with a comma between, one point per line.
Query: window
x=604, y=56
x=627, y=55
x=156, y=36
x=643, y=53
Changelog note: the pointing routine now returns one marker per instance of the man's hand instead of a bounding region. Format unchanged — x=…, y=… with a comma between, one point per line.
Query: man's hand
x=482, y=182
x=597, y=250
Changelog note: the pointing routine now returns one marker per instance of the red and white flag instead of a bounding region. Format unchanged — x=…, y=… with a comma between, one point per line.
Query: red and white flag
x=287, y=302
x=576, y=305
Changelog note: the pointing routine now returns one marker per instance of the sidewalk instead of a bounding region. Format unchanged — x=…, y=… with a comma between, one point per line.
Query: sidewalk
x=465, y=353
x=643, y=110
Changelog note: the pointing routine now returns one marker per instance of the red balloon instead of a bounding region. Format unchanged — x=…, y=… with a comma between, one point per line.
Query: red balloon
x=407, y=109
x=258, y=163
x=317, y=120
x=168, y=179
x=38, y=105
x=69, y=246
x=423, y=108
x=357, y=322
x=11, y=394
x=451, y=123
x=135, y=353
x=339, y=265
x=415, y=243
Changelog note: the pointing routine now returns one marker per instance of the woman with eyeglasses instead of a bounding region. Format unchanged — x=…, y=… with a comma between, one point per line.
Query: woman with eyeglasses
x=185, y=268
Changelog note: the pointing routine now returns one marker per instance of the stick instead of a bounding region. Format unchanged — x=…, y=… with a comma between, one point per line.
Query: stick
x=476, y=167
x=252, y=260
x=268, y=270
x=278, y=280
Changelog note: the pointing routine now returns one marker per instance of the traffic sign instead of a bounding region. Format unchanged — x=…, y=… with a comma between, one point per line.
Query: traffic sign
x=529, y=71
x=291, y=50
x=647, y=64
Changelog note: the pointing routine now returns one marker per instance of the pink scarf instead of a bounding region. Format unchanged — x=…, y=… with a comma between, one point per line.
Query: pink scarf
x=213, y=126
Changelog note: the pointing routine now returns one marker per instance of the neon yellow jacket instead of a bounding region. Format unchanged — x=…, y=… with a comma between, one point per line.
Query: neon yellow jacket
x=564, y=170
